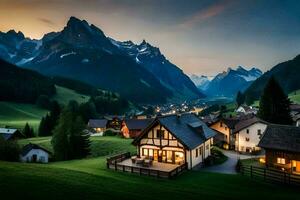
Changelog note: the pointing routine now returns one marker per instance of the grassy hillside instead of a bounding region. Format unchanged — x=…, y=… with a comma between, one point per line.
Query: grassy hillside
x=295, y=96
x=64, y=95
x=101, y=146
x=16, y=115
x=89, y=179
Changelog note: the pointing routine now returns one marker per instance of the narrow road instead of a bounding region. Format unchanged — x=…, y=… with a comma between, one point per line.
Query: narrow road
x=228, y=167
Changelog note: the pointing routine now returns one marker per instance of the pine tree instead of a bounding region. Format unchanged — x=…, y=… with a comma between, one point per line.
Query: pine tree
x=274, y=105
x=28, y=131
x=240, y=98
x=49, y=122
x=79, y=141
x=69, y=140
x=60, y=139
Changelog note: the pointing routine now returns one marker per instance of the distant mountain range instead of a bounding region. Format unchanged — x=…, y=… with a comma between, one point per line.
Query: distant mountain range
x=286, y=73
x=227, y=83
x=139, y=72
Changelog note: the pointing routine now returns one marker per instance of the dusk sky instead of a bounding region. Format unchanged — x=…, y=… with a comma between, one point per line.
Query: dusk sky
x=202, y=37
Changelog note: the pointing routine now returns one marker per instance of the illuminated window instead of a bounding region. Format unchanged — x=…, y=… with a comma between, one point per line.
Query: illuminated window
x=281, y=161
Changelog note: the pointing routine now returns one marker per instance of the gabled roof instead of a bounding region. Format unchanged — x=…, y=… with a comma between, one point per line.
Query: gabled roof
x=187, y=128
x=281, y=137
x=30, y=146
x=137, y=124
x=8, y=133
x=97, y=123
x=246, y=123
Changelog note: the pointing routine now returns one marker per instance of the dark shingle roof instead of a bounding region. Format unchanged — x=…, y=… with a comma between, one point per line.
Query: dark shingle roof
x=187, y=128
x=30, y=146
x=8, y=133
x=138, y=124
x=246, y=123
x=97, y=123
x=281, y=137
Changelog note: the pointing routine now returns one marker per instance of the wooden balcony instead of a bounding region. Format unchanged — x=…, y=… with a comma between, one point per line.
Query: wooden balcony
x=124, y=163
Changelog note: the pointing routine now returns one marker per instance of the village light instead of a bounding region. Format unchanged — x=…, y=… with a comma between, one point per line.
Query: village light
x=262, y=160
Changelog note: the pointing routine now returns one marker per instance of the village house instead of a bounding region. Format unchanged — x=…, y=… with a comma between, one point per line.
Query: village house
x=114, y=121
x=247, y=134
x=246, y=110
x=176, y=139
x=131, y=128
x=98, y=126
x=282, y=146
x=34, y=153
x=10, y=134
x=224, y=128
x=295, y=114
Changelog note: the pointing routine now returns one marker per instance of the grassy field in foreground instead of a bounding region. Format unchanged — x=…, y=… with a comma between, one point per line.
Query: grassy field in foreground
x=89, y=179
x=16, y=115
x=100, y=146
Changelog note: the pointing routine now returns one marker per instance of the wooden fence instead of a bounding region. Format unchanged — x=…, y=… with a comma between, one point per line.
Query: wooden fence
x=270, y=175
x=114, y=163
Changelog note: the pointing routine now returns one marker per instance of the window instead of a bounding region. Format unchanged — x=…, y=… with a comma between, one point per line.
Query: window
x=259, y=132
x=221, y=124
x=225, y=128
x=247, y=131
x=281, y=161
x=247, y=139
x=207, y=147
x=196, y=153
x=160, y=133
x=200, y=151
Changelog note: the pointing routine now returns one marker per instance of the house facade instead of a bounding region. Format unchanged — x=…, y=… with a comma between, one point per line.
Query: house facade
x=224, y=128
x=176, y=139
x=35, y=154
x=247, y=134
x=132, y=128
x=282, y=146
x=98, y=125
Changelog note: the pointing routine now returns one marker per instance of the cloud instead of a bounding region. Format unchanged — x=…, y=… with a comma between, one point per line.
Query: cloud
x=206, y=13
x=46, y=21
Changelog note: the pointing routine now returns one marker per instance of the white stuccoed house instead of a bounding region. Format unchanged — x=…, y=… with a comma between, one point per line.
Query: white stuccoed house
x=35, y=154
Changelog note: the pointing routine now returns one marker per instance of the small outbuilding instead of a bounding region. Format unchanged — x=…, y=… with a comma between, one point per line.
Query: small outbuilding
x=10, y=133
x=35, y=154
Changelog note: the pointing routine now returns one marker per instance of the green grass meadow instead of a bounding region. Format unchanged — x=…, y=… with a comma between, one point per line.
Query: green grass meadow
x=16, y=115
x=90, y=179
x=64, y=95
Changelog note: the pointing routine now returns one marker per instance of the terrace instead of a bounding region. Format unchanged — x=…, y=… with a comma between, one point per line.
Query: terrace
x=123, y=162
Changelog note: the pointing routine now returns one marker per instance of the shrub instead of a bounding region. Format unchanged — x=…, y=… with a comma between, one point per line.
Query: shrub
x=9, y=150
x=110, y=132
